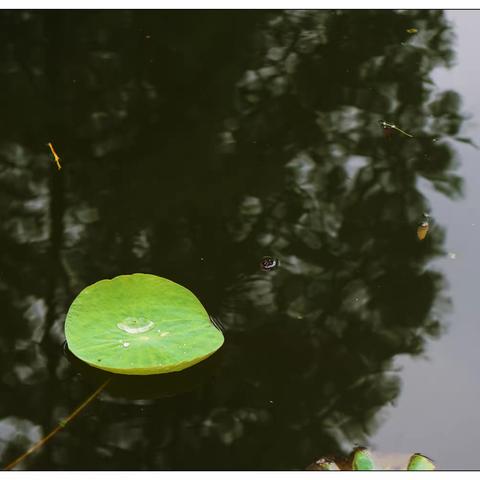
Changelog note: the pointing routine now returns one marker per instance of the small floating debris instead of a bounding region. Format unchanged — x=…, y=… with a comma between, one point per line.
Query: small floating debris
x=268, y=263
x=324, y=464
x=388, y=128
x=423, y=228
x=452, y=255
x=411, y=30
x=55, y=156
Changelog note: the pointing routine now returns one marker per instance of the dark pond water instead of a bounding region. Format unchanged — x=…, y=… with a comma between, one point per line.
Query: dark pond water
x=195, y=144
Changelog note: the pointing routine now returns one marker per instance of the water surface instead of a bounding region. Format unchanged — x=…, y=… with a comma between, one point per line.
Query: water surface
x=193, y=145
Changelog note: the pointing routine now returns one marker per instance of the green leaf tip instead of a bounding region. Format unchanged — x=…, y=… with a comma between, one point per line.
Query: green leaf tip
x=362, y=460
x=420, y=462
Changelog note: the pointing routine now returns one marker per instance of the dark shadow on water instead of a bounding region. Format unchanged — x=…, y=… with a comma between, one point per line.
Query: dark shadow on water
x=147, y=387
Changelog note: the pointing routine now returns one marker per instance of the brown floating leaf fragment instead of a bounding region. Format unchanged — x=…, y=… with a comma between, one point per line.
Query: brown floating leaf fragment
x=55, y=156
x=422, y=230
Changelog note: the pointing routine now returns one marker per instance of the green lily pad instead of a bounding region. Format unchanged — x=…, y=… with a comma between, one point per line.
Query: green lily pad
x=140, y=324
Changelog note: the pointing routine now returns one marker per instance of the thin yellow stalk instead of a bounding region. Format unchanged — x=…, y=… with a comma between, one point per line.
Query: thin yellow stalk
x=62, y=424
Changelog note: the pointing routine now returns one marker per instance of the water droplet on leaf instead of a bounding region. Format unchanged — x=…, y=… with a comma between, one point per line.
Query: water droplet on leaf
x=135, y=325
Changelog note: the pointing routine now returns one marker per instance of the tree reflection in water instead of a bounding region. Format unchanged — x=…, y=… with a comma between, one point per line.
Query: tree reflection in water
x=193, y=145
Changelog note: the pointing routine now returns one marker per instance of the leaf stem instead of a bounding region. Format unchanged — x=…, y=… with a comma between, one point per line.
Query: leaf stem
x=62, y=424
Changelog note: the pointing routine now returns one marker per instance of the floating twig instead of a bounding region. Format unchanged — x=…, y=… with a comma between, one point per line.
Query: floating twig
x=386, y=126
x=62, y=424
x=55, y=156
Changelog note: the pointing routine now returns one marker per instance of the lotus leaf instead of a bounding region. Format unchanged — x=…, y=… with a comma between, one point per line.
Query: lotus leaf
x=140, y=324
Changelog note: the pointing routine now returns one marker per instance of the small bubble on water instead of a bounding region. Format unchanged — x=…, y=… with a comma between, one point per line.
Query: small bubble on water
x=268, y=263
